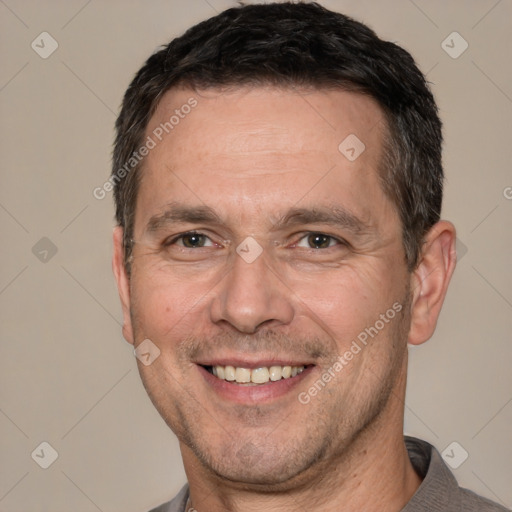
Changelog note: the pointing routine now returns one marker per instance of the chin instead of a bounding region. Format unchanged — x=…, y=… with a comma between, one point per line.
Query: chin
x=263, y=466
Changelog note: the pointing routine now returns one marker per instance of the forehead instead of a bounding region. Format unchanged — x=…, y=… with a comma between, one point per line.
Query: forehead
x=261, y=149
x=270, y=119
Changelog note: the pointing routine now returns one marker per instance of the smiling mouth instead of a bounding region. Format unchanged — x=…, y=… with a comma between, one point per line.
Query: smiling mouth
x=254, y=376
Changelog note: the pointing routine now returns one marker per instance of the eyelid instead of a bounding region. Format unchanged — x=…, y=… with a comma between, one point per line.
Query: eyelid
x=171, y=240
x=298, y=237
x=303, y=235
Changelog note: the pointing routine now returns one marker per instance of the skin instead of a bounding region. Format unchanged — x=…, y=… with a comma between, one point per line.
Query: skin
x=251, y=155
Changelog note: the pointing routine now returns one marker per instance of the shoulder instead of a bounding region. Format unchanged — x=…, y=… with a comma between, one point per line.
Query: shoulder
x=471, y=501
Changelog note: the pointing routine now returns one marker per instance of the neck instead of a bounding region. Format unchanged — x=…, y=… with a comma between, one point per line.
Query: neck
x=373, y=474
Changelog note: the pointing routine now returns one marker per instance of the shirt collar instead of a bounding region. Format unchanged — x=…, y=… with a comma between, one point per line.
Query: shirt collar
x=439, y=490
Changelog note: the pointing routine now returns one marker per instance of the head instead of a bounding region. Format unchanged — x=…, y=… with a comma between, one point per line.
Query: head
x=285, y=212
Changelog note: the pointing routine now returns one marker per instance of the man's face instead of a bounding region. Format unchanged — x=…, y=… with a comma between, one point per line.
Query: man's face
x=264, y=163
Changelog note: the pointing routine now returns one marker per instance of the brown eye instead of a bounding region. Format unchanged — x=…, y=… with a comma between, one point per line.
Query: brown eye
x=319, y=241
x=193, y=240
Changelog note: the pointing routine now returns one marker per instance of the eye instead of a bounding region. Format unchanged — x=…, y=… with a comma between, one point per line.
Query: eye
x=191, y=240
x=317, y=241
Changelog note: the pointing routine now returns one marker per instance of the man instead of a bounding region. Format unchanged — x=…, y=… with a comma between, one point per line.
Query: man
x=278, y=187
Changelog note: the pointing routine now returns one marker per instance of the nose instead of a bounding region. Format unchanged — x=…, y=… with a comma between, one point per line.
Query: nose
x=252, y=295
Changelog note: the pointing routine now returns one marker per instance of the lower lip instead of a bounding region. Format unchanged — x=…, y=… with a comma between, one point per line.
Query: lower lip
x=258, y=393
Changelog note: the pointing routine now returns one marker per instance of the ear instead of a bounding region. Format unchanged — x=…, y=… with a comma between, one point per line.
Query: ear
x=123, y=282
x=430, y=280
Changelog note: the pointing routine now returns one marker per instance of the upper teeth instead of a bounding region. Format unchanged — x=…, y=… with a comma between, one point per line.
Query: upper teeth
x=257, y=375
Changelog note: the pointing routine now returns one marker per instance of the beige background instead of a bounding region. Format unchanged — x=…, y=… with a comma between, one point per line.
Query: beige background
x=67, y=376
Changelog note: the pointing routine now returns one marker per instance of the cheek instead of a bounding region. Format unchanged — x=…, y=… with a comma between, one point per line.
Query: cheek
x=346, y=300
x=164, y=307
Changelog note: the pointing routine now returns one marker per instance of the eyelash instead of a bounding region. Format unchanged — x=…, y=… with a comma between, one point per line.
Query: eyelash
x=175, y=239
x=320, y=234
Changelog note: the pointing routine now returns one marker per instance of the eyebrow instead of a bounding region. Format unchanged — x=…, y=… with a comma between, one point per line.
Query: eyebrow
x=336, y=216
x=176, y=213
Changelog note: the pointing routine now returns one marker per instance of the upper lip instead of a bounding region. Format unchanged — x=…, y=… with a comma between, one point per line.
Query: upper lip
x=251, y=363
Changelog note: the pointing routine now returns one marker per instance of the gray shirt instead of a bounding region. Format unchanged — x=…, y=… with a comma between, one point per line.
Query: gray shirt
x=439, y=491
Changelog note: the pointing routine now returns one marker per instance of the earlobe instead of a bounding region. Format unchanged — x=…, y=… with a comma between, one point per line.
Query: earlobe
x=123, y=282
x=430, y=280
